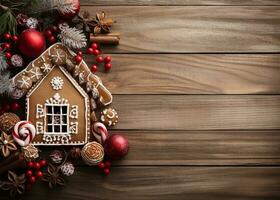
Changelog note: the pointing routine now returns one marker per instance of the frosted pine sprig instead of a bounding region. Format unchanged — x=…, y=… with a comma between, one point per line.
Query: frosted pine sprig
x=3, y=63
x=72, y=37
x=4, y=83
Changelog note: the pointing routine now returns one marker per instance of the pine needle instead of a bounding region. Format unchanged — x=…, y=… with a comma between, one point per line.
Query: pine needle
x=4, y=83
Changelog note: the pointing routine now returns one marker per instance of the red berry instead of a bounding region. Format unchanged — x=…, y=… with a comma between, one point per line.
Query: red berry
x=7, y=36
x=52, y=39
x=15, y=106
x=106, y=171
x=29, y=173
x=54, y=28
x=1, y=49
x=78, y=59
x=108, y=66
x=39, y=174
x=15, y=38
x=96, y=52
x=107, y=59
x=7, y=107
x=48, y=33
x=43, y=163
x=80, y=53
x=90, y=51
x=7, y=46
x=99, y=59
x=32, y=180
x=30, y=164
x=37, y=165
x=101, y=165
x=8, y=55
x=94, y=46
x=94, y=68
x=107, y=164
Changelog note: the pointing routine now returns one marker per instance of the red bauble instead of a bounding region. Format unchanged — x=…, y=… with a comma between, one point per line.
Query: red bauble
x=116, y=146
x=31, y=43
x=70, y=10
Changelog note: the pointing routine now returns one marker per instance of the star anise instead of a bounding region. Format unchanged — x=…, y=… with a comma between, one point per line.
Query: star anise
x=7, y=144
x=53, y=176
x=100, y=24
x=15, y=184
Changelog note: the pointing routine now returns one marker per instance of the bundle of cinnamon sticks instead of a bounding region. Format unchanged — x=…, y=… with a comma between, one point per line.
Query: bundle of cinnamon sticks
x=14, y=161
x=110, y=38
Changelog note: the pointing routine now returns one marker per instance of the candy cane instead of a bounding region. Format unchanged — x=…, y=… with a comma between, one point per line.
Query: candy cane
x=100, y=132
x=24, y=132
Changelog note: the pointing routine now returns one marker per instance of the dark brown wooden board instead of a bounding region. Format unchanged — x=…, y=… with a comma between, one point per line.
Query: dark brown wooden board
x=194, y=29
x=165, y=183
x=193, y=74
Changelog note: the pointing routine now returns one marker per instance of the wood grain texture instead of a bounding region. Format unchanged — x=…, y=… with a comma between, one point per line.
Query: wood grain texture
x=193, y=74
x=181, y=2
x=196, y=29
x=202, y=148
x=168, y=183
x=198, y=112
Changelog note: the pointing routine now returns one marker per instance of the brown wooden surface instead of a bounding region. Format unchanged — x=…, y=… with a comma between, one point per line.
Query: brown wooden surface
x=196, y=84
x=187, y=29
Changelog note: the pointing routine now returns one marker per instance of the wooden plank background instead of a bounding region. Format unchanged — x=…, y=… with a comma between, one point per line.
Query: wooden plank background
x=196, y=84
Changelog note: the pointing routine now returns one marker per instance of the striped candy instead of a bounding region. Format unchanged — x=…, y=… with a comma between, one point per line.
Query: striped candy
x=100, y=132
x=24, y=132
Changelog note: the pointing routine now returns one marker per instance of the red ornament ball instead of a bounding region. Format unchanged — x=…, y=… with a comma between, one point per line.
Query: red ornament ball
x=94, y=68
x=78, y=59
x=107, y=171
x=32, y=180
x=15, y=106
x=43, y=163
x=31, y=43
x=37, y=165
x=99, y=59
x=108, y=66
x=30, y=164
x=39, y=174
x=116, y=146
x=29, y=173
x=70, y=10
x=107, y=59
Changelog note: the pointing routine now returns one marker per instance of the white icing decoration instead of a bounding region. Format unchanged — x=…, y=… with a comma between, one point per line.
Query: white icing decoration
x=46, y=67
x=73, y=127
x=57, y=83
x=24, y=82
x=39, y=111
x=74, y=112
x=59, y=56
x=36, y=73
x=39, y=128
x=81, y=78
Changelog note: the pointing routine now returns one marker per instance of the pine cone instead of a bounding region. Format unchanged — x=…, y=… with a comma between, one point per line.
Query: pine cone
x=56, y=156
x=67, y=169
x=75, y=152
x=8, y=121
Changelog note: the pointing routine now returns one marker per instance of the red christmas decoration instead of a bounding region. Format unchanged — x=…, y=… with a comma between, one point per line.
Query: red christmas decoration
x=70, y=9
x=116, y=146
x=31, y=43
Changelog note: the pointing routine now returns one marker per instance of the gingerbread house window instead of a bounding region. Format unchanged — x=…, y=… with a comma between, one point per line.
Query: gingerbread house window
x=57, y=118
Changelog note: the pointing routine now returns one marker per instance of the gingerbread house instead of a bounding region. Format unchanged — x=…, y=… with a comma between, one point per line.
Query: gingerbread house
x=60, y=97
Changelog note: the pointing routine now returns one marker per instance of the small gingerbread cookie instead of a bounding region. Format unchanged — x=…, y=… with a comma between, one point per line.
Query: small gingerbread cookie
x=59, y=57
x=109, y=117
x=23, y=82
x=35, y=74
x=8, y=121
x=46, y=67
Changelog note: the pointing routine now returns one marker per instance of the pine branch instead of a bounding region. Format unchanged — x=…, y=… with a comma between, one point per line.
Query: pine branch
x=72, y=37
x=3, y=63
x=4, y=83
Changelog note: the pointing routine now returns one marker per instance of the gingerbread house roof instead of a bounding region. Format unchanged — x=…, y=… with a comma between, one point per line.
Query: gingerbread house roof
x=30, y=78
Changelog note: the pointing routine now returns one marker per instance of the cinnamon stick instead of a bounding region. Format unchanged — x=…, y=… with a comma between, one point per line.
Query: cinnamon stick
x=110, y=38
x=14, y=161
